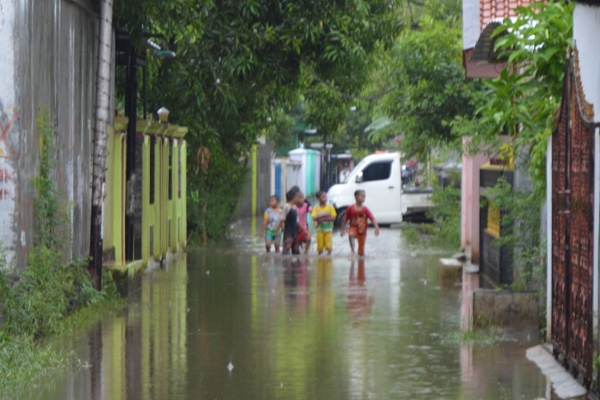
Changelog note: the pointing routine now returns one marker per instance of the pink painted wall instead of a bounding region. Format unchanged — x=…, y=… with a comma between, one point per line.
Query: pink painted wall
x=471, y=164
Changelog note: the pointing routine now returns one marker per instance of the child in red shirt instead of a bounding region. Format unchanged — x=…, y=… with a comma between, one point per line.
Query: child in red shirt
x=358, y=215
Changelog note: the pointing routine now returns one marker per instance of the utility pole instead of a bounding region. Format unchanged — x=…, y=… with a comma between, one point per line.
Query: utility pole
x=99, y=152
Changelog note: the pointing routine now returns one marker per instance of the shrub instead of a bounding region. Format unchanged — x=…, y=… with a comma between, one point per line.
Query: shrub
x=45, y=293
x=521, y=234
x=212, y=200
x=445, y=213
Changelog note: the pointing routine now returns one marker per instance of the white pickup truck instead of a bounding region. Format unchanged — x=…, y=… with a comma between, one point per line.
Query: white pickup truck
x=380, y=176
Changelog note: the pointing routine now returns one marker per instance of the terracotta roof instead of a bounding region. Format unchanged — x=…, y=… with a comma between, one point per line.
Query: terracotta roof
x=491, y=10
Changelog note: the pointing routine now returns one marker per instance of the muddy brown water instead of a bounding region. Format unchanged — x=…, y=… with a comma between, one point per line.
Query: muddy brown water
x=231, y=322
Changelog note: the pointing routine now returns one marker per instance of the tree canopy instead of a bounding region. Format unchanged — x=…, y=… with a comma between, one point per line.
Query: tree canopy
x=239, y=63
x=248, y=68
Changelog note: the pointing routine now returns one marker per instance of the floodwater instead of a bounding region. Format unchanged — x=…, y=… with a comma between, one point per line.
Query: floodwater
x=235, y=323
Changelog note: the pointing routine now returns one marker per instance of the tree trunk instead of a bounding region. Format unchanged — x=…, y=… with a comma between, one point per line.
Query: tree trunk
x=99, y=155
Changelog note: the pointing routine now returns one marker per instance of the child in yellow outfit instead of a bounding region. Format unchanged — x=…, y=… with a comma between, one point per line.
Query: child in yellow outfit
x=324, y=215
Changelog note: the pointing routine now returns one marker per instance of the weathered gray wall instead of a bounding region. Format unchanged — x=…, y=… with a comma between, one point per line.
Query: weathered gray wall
x=54, y=51
x=263, y=184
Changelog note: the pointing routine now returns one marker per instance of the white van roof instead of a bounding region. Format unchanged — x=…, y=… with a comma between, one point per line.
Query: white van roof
x=382, y=156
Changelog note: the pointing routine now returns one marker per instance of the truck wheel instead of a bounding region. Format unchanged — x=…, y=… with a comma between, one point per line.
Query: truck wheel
x=340, y=218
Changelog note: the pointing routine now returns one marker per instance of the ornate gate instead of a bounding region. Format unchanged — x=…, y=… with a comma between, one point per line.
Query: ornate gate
x=572, y=230
x=560, y=223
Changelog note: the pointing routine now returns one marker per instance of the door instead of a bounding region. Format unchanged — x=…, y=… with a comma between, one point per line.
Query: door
x=380, y=181
x=573, y=236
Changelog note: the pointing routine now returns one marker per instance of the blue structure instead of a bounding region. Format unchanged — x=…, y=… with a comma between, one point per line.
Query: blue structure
x=278, y=179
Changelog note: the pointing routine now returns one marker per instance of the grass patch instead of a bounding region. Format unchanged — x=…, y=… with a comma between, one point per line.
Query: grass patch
x=482, y=337
x=480, y=332
x=25, y=360
x=36, y=301
x=82, y=319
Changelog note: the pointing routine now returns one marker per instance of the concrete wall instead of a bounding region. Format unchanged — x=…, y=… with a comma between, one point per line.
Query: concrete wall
x=471, y=165
x=505, y=308
x=49, y=61
x=586, y=27
x=257, y=190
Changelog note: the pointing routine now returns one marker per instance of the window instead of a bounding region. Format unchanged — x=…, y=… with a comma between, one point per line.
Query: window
x=378, y=171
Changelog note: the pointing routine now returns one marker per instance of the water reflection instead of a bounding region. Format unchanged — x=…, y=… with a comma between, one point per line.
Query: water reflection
x=358, y=299
x=292, y=328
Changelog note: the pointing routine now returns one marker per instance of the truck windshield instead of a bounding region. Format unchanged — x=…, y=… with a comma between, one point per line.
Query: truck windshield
x=377, y=171
x=372, y=171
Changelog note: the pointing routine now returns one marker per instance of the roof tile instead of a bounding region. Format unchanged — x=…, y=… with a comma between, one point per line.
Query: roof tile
x=498, y=10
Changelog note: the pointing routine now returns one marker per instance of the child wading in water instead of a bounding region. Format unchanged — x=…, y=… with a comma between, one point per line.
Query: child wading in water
x=303, y=209
x=324, y=215
x=358, y=215
x=290, y=223
x=272, y=224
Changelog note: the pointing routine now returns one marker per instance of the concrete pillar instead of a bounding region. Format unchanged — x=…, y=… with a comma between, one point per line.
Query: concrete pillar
x=471, y=165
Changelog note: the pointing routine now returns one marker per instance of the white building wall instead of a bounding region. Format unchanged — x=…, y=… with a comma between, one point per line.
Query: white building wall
x=8, y=116
x=586, y=31
x=471, y=28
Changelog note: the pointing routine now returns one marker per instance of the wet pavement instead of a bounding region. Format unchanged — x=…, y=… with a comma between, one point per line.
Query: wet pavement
x=235, y=323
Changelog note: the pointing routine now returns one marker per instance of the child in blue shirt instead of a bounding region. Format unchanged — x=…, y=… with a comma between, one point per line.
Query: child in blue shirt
x=271, y=224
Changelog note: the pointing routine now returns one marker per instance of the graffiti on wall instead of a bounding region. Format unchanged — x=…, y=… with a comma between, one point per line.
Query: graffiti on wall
x=8, y=180
x=7, y=185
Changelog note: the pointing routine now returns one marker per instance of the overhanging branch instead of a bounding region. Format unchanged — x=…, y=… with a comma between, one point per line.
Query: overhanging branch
x=344, y=94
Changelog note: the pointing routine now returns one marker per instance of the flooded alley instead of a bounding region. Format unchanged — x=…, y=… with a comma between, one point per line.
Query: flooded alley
x=235, y=323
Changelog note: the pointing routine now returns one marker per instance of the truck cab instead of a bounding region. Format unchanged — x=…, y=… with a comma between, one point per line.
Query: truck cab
x=380, y=176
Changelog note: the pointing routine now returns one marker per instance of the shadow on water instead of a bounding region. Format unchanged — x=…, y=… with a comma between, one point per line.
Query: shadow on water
x=238, y=324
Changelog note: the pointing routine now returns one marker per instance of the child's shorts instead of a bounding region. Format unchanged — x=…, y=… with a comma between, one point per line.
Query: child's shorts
x=271, y=235
x=353, y=233
x=301, y=237
x=324, y=240
x=290, y=243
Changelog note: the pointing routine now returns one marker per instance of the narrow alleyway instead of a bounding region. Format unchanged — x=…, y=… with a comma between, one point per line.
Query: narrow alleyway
x=234, y=323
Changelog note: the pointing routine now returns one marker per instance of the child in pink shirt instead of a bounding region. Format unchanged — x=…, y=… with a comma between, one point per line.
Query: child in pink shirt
x=303, y=211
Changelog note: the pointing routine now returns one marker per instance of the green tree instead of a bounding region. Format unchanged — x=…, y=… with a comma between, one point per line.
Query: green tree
x=425, y=65
x=238, y=64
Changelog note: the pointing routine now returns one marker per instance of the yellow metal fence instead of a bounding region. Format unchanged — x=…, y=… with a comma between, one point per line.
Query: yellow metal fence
x=164, y=212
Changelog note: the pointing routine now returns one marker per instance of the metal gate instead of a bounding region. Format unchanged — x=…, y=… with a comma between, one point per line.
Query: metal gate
x=572, y=233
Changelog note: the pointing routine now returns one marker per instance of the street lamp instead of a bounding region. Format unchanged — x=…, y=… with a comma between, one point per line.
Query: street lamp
x=163, y=115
